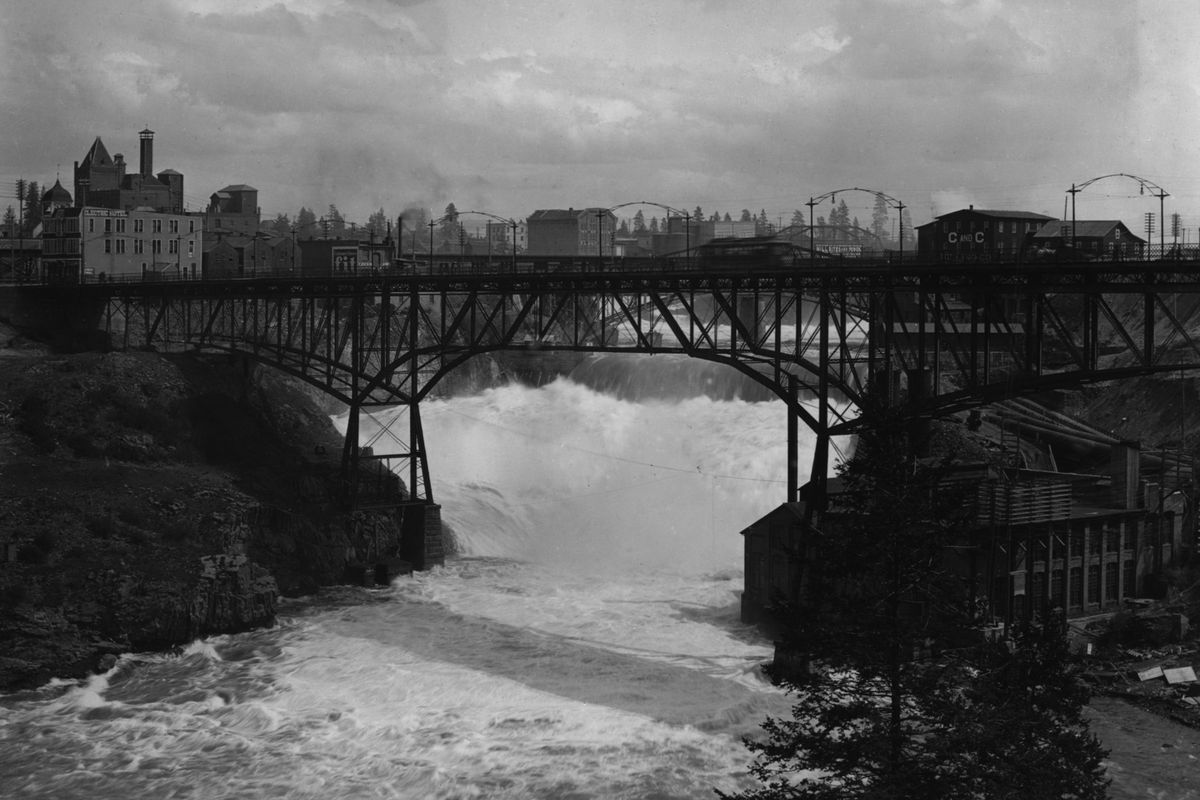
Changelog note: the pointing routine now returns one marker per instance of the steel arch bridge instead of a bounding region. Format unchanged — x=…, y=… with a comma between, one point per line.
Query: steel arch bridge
x=951, y=336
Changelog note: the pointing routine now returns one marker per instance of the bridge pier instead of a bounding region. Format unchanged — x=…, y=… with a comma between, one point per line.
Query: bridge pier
x=421, y=542
x=372, y=470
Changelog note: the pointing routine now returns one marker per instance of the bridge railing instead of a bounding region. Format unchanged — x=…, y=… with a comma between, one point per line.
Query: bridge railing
x=1172, y=257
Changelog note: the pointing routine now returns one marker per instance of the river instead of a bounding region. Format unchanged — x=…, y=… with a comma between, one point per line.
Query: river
x=584, y=644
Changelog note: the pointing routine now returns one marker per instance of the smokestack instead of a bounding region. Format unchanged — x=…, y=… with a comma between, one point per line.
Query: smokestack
x=147, y=162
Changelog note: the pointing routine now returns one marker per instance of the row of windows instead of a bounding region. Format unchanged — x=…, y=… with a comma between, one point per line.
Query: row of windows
x=117, y=246
x=1084, y=588
x=1003, y=226
x=139, y=225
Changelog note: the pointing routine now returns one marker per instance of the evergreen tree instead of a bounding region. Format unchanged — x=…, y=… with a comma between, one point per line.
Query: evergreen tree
x=306, y=224
x=623, y=228
x=654, y=224
x=449, y=229
x=879, y=218
x=280, y=226
x=335, y=223
x=377, y=225
x=727, y=217
x=898, y=698
x=840, y=216
x=639, y=222
x=33, y=207
x=746, y=215
x=697, y=214
x=797, y=218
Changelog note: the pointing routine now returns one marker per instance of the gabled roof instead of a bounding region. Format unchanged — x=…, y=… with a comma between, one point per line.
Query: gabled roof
x=97, y=155
x=239, y=187
x=1084, y=228
x=795, y=510
x=551, y=214
x=1027, y=215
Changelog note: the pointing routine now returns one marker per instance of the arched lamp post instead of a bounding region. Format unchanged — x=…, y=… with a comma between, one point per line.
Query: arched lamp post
x=886, y=198
x=506, y=220
x=1143, y=185
x=687, y=222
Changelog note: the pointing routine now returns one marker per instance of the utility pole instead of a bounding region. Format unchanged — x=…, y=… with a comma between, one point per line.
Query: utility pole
x=21, y=185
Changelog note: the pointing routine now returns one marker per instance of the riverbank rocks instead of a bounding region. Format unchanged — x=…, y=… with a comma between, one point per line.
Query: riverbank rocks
x=146, y=501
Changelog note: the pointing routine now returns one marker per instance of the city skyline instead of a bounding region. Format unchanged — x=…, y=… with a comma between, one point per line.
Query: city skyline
x=507, y=108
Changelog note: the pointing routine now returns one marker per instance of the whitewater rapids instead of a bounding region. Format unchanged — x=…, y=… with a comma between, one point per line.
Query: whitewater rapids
x=584, y=644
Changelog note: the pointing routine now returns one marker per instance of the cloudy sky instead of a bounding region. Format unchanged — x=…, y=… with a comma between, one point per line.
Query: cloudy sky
x=507, y=106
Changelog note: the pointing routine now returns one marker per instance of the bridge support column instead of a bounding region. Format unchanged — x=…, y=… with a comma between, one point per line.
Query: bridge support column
x=421, y=542
x=793, y=439
x=373, y=468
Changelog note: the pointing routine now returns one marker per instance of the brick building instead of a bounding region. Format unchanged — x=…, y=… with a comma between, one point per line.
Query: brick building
x=972, y=234
x=232, y=211
x=571, y=232
x=103, y=181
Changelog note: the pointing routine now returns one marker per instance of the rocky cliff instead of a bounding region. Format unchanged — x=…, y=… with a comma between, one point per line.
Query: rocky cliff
x=146, y=501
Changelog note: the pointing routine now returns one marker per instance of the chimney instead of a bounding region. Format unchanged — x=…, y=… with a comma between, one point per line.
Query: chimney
x=147, y=162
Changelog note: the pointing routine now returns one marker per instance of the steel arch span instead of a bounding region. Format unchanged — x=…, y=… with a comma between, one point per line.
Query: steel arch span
x=950, y=336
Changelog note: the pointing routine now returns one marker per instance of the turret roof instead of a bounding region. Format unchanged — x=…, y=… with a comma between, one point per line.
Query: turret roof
x=56, y=194
x=97, y=155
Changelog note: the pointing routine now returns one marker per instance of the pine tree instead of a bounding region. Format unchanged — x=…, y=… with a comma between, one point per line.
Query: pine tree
x=377, y=225
x=449, y=229
x=639, y=222
x=280, y=226
x=306, y=227
x=334, y=221
x=899, y=699
x=879, y=218
x=33, y=207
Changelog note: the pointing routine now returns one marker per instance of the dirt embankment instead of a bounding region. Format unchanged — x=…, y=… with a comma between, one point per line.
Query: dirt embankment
x=146, y=501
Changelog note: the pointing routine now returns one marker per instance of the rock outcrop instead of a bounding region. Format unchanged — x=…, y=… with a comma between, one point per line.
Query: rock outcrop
x=147, y=501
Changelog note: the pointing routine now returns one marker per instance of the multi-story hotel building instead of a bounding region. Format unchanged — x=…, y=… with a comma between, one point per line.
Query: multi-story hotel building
x=89, y=243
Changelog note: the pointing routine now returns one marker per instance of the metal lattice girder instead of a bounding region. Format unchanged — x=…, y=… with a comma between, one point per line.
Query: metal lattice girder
x=975, y=333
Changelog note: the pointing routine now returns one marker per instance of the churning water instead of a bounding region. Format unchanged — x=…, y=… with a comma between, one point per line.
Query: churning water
x=585, y=644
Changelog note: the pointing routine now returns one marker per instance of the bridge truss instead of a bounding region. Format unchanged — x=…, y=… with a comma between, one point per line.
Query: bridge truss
x=950, y=336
